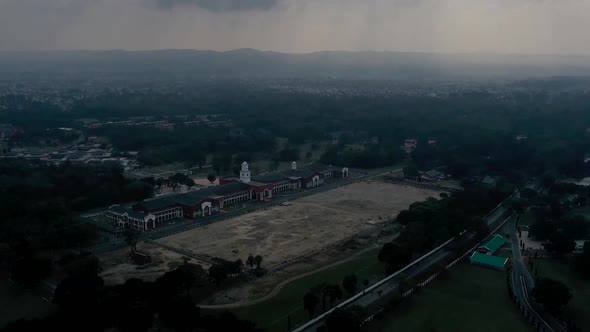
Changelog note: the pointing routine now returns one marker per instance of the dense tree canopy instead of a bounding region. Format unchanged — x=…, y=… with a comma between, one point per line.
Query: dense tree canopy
x=470, y=132
x=86, y=304
x=41, y=203
x=552, y=294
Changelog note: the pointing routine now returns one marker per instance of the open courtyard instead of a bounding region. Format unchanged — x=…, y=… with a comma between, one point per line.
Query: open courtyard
x=303, y=226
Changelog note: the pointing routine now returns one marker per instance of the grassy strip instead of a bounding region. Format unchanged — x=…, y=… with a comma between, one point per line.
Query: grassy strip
x=579, y=306
x=272, y=314
x=581, y=211
x=472, y=298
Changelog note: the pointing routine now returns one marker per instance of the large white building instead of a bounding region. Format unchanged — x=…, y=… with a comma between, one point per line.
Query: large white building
x=147, y=214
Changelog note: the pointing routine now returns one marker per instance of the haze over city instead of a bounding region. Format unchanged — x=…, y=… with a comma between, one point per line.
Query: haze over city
x=448, y=26
x=295, y=165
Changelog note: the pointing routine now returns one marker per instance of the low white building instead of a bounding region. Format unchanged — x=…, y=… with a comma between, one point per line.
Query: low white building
x=580, y=246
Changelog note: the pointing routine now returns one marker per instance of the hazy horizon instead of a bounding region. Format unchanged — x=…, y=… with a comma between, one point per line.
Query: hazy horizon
x=106, y=50
x=519, y=27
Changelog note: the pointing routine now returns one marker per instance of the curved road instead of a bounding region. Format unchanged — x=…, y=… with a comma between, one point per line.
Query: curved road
x=280, y=286
x=523, y=282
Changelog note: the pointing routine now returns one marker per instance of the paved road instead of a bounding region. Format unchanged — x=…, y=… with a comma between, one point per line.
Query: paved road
x=523, y=282
x=280, y=286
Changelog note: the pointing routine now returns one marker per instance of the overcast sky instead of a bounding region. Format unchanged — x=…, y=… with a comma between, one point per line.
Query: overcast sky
x=499, y=26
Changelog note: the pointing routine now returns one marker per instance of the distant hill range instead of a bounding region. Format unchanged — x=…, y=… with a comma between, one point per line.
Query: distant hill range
x=249, y=63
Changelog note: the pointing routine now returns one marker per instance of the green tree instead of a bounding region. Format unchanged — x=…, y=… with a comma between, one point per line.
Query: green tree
x=560, y=243
x=82, y=265
x=131, y=237
x=218, y=273
x=258, y=261
x=349, y=283
x=310, y=302
x=394, y=255
x=190, y=276
x=346, y=319
x=552, y=294
x=211, y=177
x=411, y=171
x=250, y=261
x=581, y=261
x=180, y=314
x=528, y=193
x=273, y=165
x=330, y=293
x=542, y=228
x=574, y=227
x=27, y=272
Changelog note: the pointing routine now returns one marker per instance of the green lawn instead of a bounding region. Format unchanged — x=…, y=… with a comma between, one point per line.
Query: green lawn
x=579, y=306
x=164, y=168
x=471, y=299
x=581, y=211
x=17, y=303
x=527, y=218
x=272, y=314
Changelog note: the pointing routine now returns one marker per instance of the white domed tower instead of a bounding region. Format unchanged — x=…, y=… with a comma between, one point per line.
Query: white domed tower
x=245, y=173
x=294, y=165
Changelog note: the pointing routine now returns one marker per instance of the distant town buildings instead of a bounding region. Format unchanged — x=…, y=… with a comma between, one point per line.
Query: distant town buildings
x=410, y=145
x=7, y=131
x=162, y=124
x=580, y=244
x=90, y=153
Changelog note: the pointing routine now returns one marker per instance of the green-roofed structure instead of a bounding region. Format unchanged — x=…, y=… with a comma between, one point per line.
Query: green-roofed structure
x=495, y=243
x=494, y=262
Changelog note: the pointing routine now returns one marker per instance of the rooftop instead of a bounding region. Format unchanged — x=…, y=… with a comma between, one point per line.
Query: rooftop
x=269, y=177
x=495, y=243
x=488, y=180
x=229, y=188
x=489, y=260
x=160, y=202
x=433, y=173
x=193, y=197
x=130, y=212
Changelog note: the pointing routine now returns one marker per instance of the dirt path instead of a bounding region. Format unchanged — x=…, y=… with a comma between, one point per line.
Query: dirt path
x=280, y=286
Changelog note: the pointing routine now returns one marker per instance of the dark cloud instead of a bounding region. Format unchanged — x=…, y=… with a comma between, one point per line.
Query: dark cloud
x=220, y=5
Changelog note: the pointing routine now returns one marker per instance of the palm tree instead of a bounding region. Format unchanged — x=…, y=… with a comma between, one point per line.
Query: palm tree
x=258, y=261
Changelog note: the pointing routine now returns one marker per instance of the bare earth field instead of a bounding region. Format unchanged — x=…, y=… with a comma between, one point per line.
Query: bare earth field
x=306, y=225
x=279, y=234
x=258, y=288
x=117, y=267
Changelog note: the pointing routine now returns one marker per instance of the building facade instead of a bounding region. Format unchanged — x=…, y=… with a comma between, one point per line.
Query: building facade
x=148, y=214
